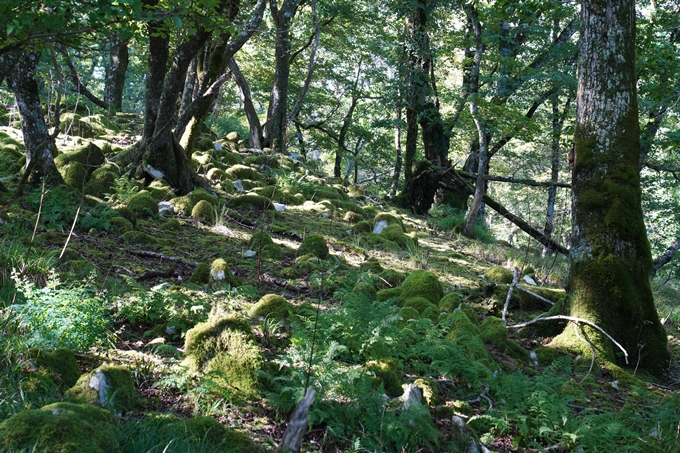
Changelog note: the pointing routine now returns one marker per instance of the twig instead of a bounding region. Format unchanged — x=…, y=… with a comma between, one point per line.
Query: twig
x=158, y=255
x=292, y=437
x=515, y=279
x=575, y=320
x=37, y=220
x=485, y=395
x=70, y=233
x=541, y=298
x=592, y=359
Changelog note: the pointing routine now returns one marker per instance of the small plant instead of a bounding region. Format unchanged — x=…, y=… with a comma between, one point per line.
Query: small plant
x=124, y=189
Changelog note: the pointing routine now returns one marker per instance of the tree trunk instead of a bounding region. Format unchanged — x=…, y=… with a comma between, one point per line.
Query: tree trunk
x=554, y=172
x=248, y=106
x=274, y=130
x=40, y=147
x=398, y=161
x=610, y=255
x=115, y=73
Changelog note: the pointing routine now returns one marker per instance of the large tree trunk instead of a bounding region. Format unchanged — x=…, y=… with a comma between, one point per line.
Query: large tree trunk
x=275, y=128
x=610, y=255
x=115, y=73
x=40, y=146
x=248, y=106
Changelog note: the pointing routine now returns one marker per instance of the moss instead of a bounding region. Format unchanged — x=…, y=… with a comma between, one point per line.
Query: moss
x=102, y=180
x=365, y=288
x=127, y=214
x=372, y=265
x=352, y=217
x=395, y=233
x=392, y=278
x=216, y=175
x=252, y=202
x=60, y=428
x=161, y=193
x=449, y=302
x=388, y=373
x=138, y=237
x=108, y=386
x=203, y=212
x=328, y=193
x=90, y=156
x=271, y=305
x=220, y=273
x=185, y=204
x=243, y=172
x=465, y=334
x=380, y=242
x=206, y=431
x=143, y=205
x=408, y=313
x=201, y=274
x=58, y=366
x=362, y=227
x=499, y=274
x=431, y=391
x=387, y=294
x=592, y=199
x=74, y=174
x=261, y=241
x=314, y=244
x=422, y=283
x=419, y=303
x=120, y=224
x=172, y=225
x=389, y=218
x=227, y=348
x=546, y=355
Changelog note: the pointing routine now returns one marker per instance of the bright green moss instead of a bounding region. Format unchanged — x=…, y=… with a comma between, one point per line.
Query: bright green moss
x=220, y=273
x=314, y=244
x=372, y=265
x=365, y=288
x=52, y=370
x=395, y=233
x=262, y=242
x=419, y=303
x=362, y=227
x=138, y=238
x=465, y=334
x=201, y=274
x=203, y=212
x=251, y=202
x=143, y=205
x=449, y=302
x=60, y=428
x=389, y=218
x=185, y=204
x=102, y=180
x=388, y=293
x=74, y=174
x=388, y=373
x=172, y=225
x=499, y=274
x=408, y=313
x=328, y=193
x=243, y=172
x=352, y=217
x=109, y=386
x=392, y=278
x=431, y=391
x=592, y=200
x=160, y=193
x=422, y=283
x=271, y=305
x=89, y=156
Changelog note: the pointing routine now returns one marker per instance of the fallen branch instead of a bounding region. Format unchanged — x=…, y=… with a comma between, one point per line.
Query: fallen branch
x=541, y=298
x=292, y=437
x=574, y=320
x=515, y=279
x=159, y=255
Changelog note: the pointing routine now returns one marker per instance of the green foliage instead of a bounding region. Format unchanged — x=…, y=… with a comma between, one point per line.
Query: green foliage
x=70, y=315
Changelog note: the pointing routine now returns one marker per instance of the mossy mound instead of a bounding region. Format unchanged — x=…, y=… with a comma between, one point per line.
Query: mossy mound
x=59, y=365
x=100, y=125
x=419, y=303
x=243, y=172
x=12, y=155
x=227, y=348
x=328, y=193
x=60, y=428
x=216, y=175
x=126, y=214
x=229, y=158
x=467, y=335
x=143, y=205
x=252, y=202
x=314, y=244
x=422, y=283
x=203, y=212
x=388, y=373
x=138, y=238
x=220, y=273
x=352, y=217
x=365, y=288
x=161, y=193
x=74, y=174
x=432, y=391
x=262, y=242
x=449, y=302
x=102, y=180
x=391, y=278
x=90, y=156
x=380, y=242
x=388, y=293
x=395, y=233
x=172, y=225
x=108, y=386
x=389, y=218
x=372, y=265
x=201, y=274
x=273, y=306
x=499, y=274
x=408, y=313
x=362, y=227
x=185, y=204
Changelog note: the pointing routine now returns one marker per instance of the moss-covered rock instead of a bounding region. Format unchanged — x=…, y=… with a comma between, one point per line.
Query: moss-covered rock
x=499, y=274
x=395, y=233
x=138, y=238
x=220, y=273
x=201, y=275
x=216, y=175
x=172, y=225
x=126, y=213
x=431, y=390
x=422, y=283
x=60, y=428
x=90, y=156
x=102, y=180
x=314, y=244
x=108, y=386
x=391, y=278
x=51, y=371
x=262, y=242
x=120, y=224
x=352, y=217
x=328, y=193
x=185, y=204
x=362, y=227
x=388, y=373
x=466, y=335
x=74, y=174
x=271, y=305
x=243, y=172
x=408, y=313
x=365, y=288
x=372, y=265
x=449, y=302
x=389, y=218
x=203, y=212
x=389, y=293
x=227, y=347
x=419, y=303
x=143, y=205
x=251, y=202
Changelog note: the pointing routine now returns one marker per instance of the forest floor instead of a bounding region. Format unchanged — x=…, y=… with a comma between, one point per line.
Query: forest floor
x=416, y=305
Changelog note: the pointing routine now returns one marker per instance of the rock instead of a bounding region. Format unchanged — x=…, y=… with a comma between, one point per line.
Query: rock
x=529, y=280
x=166, y=207
x=412, y=395
x=249, y=253
x=238, y=185
x=279, y=207
x=380, y=226
x=218, y=147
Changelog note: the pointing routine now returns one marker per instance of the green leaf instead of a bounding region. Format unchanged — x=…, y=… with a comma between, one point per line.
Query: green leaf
x=178, y=21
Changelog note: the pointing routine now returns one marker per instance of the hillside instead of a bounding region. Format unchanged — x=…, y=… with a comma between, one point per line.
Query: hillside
x=196, y=323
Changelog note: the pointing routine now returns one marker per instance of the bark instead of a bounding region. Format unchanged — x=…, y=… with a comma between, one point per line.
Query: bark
x=116, y=71
x=275, y=127
x=610, y=255
x=248, y=106
x=40, y=146
x=666, y=256
x=398, y=158
x=482, y=134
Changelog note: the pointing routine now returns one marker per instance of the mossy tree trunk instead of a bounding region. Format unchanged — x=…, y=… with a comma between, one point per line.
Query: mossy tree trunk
x=40, y=146
x=610, y=255
x=119, y=60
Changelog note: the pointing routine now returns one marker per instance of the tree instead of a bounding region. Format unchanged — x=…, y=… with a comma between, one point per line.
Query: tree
x=610, y=255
